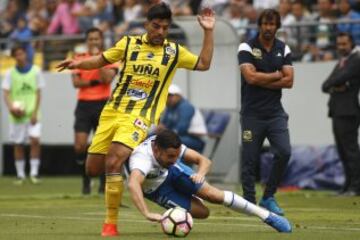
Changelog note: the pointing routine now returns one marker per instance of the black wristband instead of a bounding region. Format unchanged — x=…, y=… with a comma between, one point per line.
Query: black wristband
x=94, y=82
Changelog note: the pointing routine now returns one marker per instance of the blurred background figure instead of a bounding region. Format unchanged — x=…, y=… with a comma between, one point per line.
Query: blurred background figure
x=261, y=4
x=285, y=33
x=323, y=33
x=302, y=33
x=183, y=118
x=22, y=35
x=9, y=16
x=22, y=88
x=94, y=87
x=343, y=86
x=65, y=18
x=346, y=13
x=38, y=16
x=235, y=13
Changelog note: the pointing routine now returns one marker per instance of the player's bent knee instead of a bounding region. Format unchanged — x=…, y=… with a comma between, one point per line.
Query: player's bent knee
x=80, y=148
x=92, y=171
x=112, y=164
x=95, y=165
x=117, y=155
x=34, y=141
x=212, y=195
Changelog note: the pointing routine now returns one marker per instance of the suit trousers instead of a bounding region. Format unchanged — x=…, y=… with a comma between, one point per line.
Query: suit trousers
x=345, y=129
x=254, y=132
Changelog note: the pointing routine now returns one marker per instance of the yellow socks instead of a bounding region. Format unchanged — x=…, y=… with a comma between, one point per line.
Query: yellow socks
x=113, y=194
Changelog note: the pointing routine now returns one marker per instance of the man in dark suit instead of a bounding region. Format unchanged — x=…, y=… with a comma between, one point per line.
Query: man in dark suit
x=343, y=86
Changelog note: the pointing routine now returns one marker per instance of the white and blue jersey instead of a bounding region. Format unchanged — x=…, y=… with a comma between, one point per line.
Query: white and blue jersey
x=167, y=187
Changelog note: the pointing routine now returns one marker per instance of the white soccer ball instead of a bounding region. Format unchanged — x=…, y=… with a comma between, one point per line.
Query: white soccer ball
x=177, y=222
x=18, y=105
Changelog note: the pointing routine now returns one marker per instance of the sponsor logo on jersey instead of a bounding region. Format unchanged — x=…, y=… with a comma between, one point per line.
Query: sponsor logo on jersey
x=150, y=55
x=142, y=83
x=136, y=94
x=257, y=53
x=147, y=69
x=135, y=136
x=171, y=51
x=157, y=172
x=140, y=123
x=247, y=136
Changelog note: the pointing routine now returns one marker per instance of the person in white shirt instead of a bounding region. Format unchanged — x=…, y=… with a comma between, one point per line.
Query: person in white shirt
x=185, y=119
x=155, y=172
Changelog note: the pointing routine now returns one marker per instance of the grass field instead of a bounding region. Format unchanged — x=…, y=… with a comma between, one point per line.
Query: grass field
x=56, y=210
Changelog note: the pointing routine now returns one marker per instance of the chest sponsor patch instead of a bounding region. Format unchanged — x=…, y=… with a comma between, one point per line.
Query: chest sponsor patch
x=150, y=55
x=136, y=94
x=169, y=50
x=257, y=53
x=154, y=173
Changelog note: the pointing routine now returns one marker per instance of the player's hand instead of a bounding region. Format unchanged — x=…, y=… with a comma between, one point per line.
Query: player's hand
x=154, y=217
x=340, y=88
x=67, y=64
x=33, y=119
x=207, y=19
x=197, y=178
x=279, y=75
x=16, y=112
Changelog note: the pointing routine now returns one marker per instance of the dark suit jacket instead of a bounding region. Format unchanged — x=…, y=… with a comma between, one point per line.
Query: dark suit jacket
x=344, y=103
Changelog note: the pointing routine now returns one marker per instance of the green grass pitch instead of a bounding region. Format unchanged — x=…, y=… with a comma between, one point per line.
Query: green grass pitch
x=56, y=210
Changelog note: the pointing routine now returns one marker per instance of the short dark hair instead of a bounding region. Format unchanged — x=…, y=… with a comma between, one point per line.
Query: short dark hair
x=346, y=34
x=17, y=47
x=159, y=11
x=93, y=29
x=270, y=14
x=300, y=2
x=167, y=139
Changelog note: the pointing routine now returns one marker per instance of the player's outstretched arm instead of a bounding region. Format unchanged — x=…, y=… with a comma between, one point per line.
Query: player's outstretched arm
x=207, y=21
x=97, y=61
x=135, y=181
x=204, y=164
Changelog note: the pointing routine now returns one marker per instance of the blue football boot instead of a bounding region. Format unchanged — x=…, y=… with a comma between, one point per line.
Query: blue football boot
x=280, y=223
x=271, y=205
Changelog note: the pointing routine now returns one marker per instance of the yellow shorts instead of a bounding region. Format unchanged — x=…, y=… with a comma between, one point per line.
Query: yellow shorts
x=118, y=127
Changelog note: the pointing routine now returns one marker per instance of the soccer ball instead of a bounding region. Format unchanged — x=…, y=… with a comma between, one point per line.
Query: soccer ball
x=18, y=105
x=176, y=222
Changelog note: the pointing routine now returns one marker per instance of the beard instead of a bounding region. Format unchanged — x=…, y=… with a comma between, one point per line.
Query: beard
x=344, y=52
x=268, y=35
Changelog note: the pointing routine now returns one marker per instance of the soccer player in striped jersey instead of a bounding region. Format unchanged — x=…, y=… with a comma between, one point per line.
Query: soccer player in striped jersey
x=157, y=172
x=149, y=64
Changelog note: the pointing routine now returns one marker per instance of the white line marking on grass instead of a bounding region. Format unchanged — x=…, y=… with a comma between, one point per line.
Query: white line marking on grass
x=134, y=215
x=121, y=220
x=260, y=225
x=313, y=209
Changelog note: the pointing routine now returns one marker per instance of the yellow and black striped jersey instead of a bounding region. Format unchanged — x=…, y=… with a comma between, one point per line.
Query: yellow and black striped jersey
x=146, y=74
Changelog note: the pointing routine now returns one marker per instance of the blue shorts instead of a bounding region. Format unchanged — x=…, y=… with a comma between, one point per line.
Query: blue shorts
x=177, y=189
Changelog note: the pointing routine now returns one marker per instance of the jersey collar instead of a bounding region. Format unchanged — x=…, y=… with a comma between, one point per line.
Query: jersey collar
x=24, y=69
x=259, y=45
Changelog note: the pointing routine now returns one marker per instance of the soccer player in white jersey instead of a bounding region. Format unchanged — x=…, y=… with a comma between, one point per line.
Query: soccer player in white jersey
x=155, y=172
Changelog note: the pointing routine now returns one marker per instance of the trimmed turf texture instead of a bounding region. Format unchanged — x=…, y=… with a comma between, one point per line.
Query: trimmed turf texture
x=56, y=210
